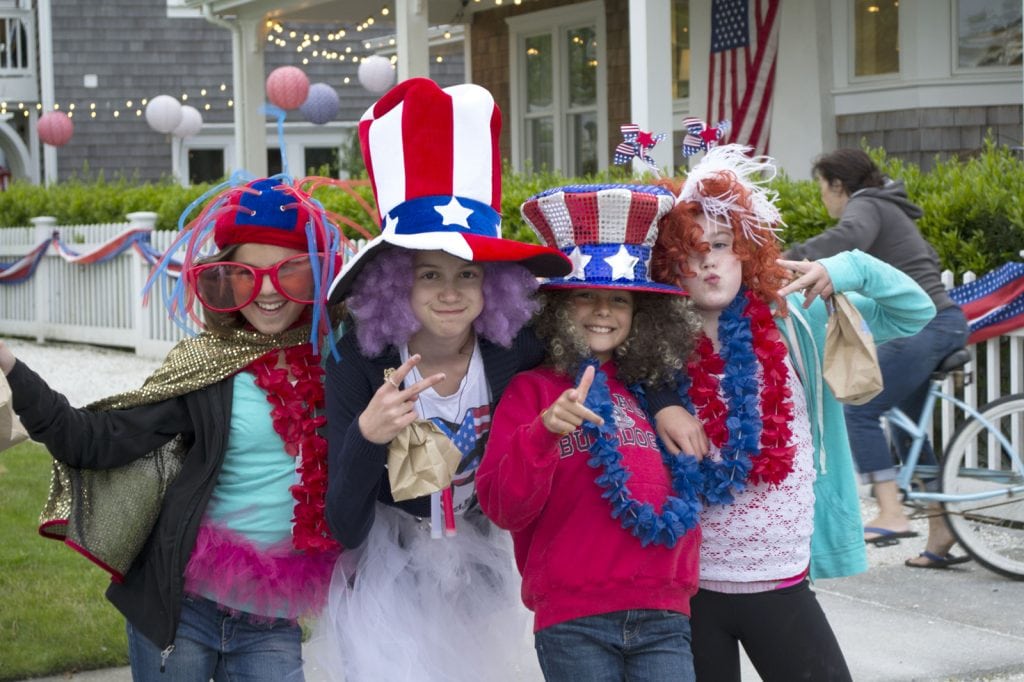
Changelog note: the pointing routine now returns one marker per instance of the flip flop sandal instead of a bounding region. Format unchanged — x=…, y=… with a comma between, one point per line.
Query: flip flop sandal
x=886, y=537
x=936, y=561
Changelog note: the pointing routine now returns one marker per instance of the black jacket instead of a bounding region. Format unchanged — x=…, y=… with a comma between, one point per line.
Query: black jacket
x=150, y=596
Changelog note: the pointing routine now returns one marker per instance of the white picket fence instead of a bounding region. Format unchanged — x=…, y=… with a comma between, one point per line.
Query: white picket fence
x=101, y=304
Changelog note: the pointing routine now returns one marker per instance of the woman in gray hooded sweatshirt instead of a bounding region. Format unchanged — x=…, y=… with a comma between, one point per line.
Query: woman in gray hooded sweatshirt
x=876, y=217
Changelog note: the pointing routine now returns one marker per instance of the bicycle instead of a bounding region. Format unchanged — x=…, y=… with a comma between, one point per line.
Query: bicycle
x=981, y=475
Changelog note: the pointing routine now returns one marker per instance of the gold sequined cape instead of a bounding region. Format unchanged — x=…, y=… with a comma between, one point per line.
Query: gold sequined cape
x=107, y=515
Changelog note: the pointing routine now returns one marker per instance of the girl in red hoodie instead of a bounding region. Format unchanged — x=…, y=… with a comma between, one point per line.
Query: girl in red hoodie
x=604, y=524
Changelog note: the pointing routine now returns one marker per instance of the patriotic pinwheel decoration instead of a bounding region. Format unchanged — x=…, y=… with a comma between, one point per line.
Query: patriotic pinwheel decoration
x=700, y=137
x=637, y=143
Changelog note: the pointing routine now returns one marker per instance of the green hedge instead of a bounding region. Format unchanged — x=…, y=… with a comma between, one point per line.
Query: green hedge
x=973, y=210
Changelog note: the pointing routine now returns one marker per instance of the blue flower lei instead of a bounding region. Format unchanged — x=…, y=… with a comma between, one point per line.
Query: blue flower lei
x=724, y=479
x=679, y=513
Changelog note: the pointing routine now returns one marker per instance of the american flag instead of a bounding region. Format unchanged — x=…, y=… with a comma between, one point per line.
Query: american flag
x=993, y=303
x=477, y=422
x=744, y=44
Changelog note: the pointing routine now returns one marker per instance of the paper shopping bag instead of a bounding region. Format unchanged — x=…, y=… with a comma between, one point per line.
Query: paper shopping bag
x=421, y=461
x=850, y=367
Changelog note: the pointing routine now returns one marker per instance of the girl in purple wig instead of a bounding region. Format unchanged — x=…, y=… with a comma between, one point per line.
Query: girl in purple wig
x=431, y=343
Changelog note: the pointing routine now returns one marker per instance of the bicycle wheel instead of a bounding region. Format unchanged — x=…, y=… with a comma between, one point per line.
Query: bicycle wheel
x=991, y=529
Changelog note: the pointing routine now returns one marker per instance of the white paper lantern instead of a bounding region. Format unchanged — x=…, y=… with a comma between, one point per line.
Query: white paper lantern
x=191, y=122
x=163, y=113
x=376, y=74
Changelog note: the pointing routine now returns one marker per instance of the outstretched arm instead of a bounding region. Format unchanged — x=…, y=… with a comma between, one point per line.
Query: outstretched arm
x=89, y=439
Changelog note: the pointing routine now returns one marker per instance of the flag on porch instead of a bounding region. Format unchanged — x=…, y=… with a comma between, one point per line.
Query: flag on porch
x=741, y=80
x=993, y=303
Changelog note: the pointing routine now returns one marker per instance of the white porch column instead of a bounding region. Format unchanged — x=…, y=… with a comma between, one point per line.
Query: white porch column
x=650, y=73
x=411, y=30
x=250, y=95
x=46, y=86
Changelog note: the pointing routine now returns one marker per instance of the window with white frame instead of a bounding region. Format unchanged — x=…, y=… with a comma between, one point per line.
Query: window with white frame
x=876, y=37
x=988, y=33
x=558, y=89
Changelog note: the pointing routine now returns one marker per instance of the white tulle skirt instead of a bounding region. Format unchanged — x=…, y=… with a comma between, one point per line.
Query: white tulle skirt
x=405, y=606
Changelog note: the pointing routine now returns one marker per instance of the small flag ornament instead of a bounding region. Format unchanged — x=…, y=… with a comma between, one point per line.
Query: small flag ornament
x=700, y=137
x=637, y=143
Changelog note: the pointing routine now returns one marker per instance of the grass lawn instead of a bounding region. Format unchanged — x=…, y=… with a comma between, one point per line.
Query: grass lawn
x=53, y=615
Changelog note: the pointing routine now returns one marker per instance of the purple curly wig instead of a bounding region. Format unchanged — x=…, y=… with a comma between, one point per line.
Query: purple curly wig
x=380, y=302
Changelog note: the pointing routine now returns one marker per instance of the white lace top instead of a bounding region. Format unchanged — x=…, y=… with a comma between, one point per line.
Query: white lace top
x=764, y=537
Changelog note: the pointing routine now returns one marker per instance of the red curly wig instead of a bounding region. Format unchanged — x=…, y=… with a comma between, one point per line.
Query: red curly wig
x=680, y=234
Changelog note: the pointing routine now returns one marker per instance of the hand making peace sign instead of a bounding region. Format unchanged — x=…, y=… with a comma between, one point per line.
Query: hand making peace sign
x=392, y=407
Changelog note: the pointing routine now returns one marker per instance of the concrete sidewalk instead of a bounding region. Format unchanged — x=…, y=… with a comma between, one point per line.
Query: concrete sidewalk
x=896, y=624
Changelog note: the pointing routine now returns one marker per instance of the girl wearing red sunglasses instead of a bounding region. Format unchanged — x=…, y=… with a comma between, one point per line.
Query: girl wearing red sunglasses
x=220, y=450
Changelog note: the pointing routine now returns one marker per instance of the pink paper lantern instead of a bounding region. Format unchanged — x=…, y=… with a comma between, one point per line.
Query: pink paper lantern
x=55, y=128
x=287, y=87
x=322, y=105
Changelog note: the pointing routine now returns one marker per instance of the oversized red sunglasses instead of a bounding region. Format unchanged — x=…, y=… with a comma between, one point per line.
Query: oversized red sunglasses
x=227, y=286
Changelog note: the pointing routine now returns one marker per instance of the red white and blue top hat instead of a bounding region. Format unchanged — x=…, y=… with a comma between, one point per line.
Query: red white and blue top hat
x=607, y=231
x=432, y=156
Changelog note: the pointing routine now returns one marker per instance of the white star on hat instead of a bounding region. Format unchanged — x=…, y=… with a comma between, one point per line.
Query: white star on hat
x=579, y=264
x=454, y=213
x=622, y=264
x=390, y=223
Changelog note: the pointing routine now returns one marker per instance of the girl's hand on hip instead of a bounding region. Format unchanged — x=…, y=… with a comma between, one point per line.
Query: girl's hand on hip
x=392, y=407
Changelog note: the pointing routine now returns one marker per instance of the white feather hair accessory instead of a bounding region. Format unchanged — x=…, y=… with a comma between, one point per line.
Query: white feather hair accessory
x=762, y=220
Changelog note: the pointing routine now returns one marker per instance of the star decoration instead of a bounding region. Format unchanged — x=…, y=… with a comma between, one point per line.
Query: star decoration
x=702, y=137
x=637, y=143
x=390, y=223
x=622, y=263
x=579, y=264
x=454, y=213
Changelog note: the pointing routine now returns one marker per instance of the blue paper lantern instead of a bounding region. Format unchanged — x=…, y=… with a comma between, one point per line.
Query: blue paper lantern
x=322, y=104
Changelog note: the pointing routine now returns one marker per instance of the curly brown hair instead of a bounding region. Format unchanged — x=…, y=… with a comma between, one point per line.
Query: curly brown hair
x=663, y=334
x=679, y=234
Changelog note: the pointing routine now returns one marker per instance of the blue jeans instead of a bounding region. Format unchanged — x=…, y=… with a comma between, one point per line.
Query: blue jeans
x=214, y=645
x=644, y=645
x=906, y=364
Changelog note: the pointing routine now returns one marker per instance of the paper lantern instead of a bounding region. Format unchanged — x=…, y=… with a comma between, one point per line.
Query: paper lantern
x=322, y=104
x=191, y=122
x=55, y=128
x=376, y=74
x=163, y=113
x=287, y=87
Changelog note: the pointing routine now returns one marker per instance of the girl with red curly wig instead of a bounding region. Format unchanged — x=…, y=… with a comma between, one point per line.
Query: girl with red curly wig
x=780, y=495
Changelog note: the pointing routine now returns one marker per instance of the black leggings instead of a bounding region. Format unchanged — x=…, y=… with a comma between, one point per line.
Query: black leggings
x=784, y=632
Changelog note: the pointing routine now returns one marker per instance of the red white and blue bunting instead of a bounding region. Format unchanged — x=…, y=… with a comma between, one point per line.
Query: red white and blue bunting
x=23, y=269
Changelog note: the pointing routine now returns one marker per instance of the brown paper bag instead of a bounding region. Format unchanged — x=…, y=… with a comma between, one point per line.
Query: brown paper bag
x=421, y=461
x=11, y=430
x=850, y=367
